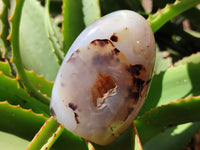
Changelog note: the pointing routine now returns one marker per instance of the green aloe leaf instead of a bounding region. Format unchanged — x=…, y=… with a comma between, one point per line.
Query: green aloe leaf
x=5, y=27
x=17, y=142
x=69, y=141
x=40, y=83
x=91, y=11
x=20, y=122
x=157, y=120
x=16, y=54
x=194, y=58
x=36, y=52
x=15, y=95
x=5, y=68
x=173, y=138
x=125, y=141
x=161, y=63
x=162, y=16
x=173, y=84
x=45, y=138
x=54, y=34
x=73, y=22
x=137, y=143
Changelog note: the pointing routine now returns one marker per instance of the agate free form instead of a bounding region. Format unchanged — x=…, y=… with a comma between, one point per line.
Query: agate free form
x=104, y=78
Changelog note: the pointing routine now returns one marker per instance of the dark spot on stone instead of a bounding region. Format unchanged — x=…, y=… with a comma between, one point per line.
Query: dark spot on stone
x=117, y=60
x=139, y=83
x=135, y=69
x=62, y=84
x=100, y=42
x=113, y=134
x=135, y=90
x=52, y=112
x=111, y=128
x=126, y=28
x=114, y=38
x=72, y=106
x=148, y=81
x=116, y=51
x=76, y=117
x=97, y=60
x=71, y=58
x=77, y=51
x=101, y=59
x=134, y=96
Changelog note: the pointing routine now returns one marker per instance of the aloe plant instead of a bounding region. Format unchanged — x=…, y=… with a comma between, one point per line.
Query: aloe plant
x=33, y=45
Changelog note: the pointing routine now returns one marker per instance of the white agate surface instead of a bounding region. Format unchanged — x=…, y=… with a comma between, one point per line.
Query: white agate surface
x=104, y=78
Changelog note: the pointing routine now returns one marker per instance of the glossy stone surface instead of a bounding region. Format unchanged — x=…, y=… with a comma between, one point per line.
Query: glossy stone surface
x=104, y=78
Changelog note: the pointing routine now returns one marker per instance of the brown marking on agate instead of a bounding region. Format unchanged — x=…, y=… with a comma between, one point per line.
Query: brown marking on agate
x=103, y=85
x=72, y=106
x=135, y=90
x=77, y=51
x=114, y=38
x=76, y=117
x=139, y=83
x=100, y=42
x=100, y=59
x=135, y=69
x=133, y=95
x=116, y=51
x=70, y=58
x=52, y=112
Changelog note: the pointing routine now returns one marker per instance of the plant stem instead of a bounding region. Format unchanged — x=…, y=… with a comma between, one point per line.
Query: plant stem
x=162, y=16
x=14, y=38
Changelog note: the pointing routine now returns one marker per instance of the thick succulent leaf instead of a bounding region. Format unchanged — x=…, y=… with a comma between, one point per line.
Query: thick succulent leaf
x=194, y=58
x=137, y=143
x=16, y=54
x=125, y=141
x=5, y=68
x=15, y=95
x=45, y=138
x=35, y=48
x=5, y=27
x=17, y=142
x=162, y=63
x=54, y=34
x=40, y=83
x=50, y=132
x=174, y=138
x=18, y=121
x=91, y=11
x=69, y=141
x=175, y=83
x=163, y=117
x=73, y=22
x=162, y=16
